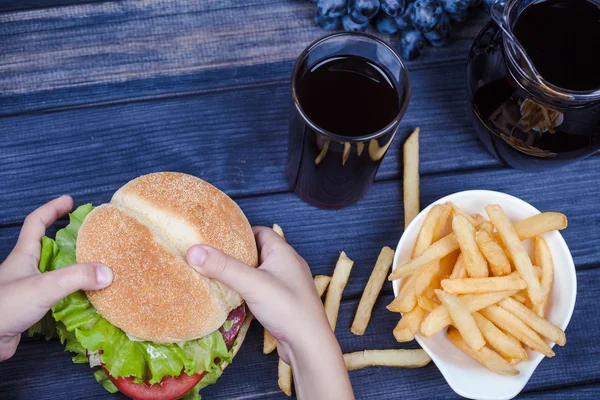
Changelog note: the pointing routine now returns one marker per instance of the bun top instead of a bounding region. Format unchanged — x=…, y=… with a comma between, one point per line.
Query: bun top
x=143, y=235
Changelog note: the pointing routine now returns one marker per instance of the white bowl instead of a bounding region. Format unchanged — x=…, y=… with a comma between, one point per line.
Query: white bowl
x=464, y=375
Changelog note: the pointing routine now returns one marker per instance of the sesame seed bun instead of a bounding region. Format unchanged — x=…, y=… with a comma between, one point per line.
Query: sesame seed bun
x=143, y=235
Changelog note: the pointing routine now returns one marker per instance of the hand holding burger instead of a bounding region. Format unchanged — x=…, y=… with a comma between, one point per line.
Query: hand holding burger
x=281, y=294
x=25, y=293
x=163, y=330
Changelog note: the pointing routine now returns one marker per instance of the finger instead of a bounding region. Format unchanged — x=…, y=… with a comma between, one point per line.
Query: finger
x=267, y=241
x=34, y=226
x=233, y=273
x=50, y=287
x=8, y=347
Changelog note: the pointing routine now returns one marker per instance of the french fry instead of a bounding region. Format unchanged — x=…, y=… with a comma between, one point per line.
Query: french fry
x=540, y=223
x=462, y=319
x=416, y=284
x=543, y=258
x=359, y=148
x=433, y=253
x=475, y=263
x=493, y=253
x=486, y=357
x=515, y=327
x=517, y=252
x=459, y=271
x=269, y=343
x=412, y=205
x=386, y=358
x=426, y=303
x=278, y=230
x=346, y=154
x=521, y=296
x=339, y=279
x=534, y=321
x=478, y=219
x=321, y=283
x=457, y=211
x=506, y=345
x=484, y=285
x=408, y=326
x=513, y=361
x=447, y=266
x=374, y=285
x=322, y=153
x=439, y=318
x=485, y=226
x=432, y=227
x=284, y=380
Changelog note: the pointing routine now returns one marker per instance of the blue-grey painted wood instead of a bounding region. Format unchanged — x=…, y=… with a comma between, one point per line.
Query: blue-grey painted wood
x=41, y=370
x=235, y=139
x=13, y=5
x=131, y=87
x=118, y=51
x=377, y=220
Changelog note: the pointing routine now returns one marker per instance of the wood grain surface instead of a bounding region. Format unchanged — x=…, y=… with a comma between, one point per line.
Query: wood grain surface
x=95, y=93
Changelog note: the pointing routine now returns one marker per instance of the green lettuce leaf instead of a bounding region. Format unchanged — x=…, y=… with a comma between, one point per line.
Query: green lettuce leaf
x=83, y=330
x=228, y=324
x=102, y=379
x=45, y=326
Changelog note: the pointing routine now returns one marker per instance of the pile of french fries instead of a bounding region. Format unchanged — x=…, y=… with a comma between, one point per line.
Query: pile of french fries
x=480, y=281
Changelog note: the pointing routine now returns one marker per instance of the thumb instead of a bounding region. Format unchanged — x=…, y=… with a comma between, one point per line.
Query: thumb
x=233, y=273
x=24, y=302
x=52, y=286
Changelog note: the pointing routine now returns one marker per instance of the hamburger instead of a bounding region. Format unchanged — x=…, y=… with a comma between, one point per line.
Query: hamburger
x=160, y=330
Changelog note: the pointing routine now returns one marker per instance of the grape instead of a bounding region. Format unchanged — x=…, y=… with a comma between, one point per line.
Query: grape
x=426, y=14
x=403, y=21
x=393, y=8
x=330, y=24
x=438, y=36
x=418, y=21
x=349, y=24
x=332, y=8
x=455, y=6
x=362, y=11
x=385, y=24
x=410, y=44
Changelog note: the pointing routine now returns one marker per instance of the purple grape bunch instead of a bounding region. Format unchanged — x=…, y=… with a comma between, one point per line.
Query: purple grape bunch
x=415, y=22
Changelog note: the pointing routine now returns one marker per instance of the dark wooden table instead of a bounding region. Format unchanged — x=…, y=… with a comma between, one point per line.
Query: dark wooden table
x=93, y=94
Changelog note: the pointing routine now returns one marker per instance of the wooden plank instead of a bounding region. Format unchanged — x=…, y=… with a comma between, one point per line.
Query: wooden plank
x=13, y=5
x=102, y=52
x=253, y=375
x=235, y=139
x=377, y=220
x=585, y=391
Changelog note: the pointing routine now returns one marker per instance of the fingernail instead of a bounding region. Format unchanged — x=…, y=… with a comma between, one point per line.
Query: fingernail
x=197, y=256
x=104, y=275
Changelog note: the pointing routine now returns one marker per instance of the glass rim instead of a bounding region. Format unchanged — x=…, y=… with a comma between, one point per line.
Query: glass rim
x=342, y=138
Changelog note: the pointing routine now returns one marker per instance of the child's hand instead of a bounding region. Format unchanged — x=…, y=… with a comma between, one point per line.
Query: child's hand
x=281, y=294
x=25, y=293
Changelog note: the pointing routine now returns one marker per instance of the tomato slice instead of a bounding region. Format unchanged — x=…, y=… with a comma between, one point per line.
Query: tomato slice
x=169, y=388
